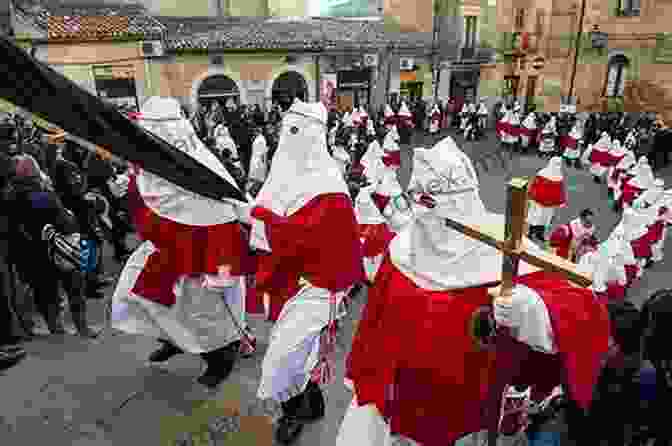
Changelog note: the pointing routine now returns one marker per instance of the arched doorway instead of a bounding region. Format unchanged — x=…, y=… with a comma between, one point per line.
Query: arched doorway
x=218, y=88
x=289, y=84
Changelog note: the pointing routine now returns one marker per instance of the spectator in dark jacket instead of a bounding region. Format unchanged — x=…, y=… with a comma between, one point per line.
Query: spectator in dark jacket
x=32, y=208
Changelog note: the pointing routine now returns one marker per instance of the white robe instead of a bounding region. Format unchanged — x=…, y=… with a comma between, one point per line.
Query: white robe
x=538, y=215
x=259, y=161
x=198, y=322
x=293, y=350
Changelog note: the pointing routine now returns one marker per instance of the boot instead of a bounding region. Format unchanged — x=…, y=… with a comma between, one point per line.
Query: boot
x=81, y=323
x=220, y=364
x=163, y=354
x=597, y=180
x=298, y=411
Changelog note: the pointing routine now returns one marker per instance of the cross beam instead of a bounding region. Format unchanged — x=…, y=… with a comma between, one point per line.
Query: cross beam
x=509, y=240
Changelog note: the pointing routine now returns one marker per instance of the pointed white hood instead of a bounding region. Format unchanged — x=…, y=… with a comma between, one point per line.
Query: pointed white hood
x=434, y=256
x=554, y=169
x=404, y=112
x=163, y=117
x=302, y=168
x=530, y=122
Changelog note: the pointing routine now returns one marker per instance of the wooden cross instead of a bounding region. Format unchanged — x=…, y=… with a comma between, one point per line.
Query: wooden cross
x=509, y=240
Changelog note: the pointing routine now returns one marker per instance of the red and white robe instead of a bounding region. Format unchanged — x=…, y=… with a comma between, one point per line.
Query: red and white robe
x=435, y=120
x=572, y=240
x=375, y=233
x=546, y=195
x=432, y=391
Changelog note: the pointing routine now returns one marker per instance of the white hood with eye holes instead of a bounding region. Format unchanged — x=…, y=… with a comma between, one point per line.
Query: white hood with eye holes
x=302, y=168
x=432, y=255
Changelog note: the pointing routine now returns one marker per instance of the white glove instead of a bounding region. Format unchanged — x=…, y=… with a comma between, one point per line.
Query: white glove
x=503, y=311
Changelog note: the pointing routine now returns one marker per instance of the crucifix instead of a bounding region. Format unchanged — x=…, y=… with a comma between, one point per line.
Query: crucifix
x=509, y=240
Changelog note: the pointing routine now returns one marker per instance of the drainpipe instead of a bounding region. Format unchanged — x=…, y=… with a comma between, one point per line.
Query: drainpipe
x=318, y=79
x=577, y=49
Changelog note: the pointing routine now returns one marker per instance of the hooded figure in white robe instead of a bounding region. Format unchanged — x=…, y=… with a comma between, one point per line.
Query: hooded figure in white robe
x=548, y=136
x=622, y=172
x=392, y=151
x=259, y=159
x=633, y=227
x=430, y=283
x=372, y=161
x=547, y=192
x=618, y=153
x=597, y=156
x=435, y=120
x=528, y=131
x=572, y=151
x=304, y=217
x=164, y=291
x=372, y=223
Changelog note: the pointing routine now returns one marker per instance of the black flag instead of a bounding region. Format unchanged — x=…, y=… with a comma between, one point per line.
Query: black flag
x=32, y=85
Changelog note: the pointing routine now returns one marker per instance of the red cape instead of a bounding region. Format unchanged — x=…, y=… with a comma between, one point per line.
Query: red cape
x=561, y=239
x=413, y=356
x=376, y=239
x=392, y=158
x=320, y=243
x=630, y=193
x=547, y=193
x=600, y=157
x=183, y=249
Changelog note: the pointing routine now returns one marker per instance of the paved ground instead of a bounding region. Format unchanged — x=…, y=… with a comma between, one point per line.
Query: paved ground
x=73, y=392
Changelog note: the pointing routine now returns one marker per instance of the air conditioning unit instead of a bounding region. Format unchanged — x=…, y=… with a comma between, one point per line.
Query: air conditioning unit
x=406, y=63
x=371, y=60
x=152, y=49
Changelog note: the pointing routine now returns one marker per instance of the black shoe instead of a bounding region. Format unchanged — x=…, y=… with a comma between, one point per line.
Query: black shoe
x=220, y=364
x=597, y=180
x=304, y=408
x=8, y=360
x=288, y=430
x=166, y=352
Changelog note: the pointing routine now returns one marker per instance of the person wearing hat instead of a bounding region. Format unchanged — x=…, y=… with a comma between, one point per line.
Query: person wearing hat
x=304, y=218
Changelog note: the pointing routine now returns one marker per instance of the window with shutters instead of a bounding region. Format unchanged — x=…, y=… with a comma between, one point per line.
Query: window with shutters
x=616, y=77
x=628, y=8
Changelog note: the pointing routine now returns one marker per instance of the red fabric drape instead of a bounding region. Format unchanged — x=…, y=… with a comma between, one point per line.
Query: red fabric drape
x=184, y=249
x=547, y=192
x=320, y=243
x=414, y=359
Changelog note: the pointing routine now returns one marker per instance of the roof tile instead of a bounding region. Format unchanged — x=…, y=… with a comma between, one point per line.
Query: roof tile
x=91, y=21
x=307, y=34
